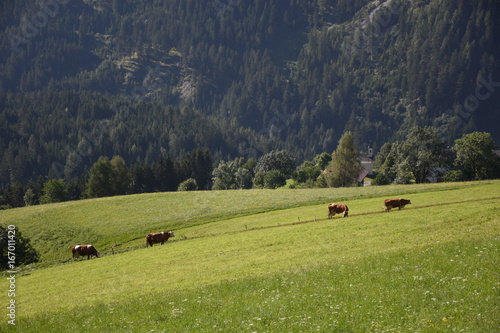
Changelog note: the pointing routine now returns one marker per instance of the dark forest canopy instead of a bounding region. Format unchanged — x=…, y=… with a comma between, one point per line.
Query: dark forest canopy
x=80, y=79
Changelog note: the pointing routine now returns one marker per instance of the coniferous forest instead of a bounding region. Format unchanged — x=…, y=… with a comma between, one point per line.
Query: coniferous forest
x=179, y=81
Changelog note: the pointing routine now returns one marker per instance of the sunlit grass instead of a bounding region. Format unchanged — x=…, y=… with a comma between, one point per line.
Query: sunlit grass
x=429, y=267
x=445, y=287
x=121, y=223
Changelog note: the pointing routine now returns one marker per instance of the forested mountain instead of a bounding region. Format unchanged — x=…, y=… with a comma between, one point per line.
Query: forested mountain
x=81, y=79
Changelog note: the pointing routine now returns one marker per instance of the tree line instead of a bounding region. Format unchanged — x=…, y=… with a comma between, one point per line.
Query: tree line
x=421, y=157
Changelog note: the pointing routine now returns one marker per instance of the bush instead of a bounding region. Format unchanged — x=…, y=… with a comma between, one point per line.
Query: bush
x=454, y=176
x=258, y=180
x=381, y=179
x=24, y=251
x=307, y=172
x=188, y=185
x=274, y=179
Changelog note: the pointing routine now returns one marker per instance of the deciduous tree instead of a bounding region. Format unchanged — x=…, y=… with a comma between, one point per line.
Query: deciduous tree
x=53, y=191
x=274, y=179
x=120, y=177
x=100, y=181
x=420, y=154
x=276, y=160
x=476, y=157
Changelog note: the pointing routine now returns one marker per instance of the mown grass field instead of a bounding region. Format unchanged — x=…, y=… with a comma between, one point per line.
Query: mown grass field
x=267, y=261
x=121, y=223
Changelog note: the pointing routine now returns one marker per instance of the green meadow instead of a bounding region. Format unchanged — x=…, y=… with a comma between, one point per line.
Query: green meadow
x=265, y=261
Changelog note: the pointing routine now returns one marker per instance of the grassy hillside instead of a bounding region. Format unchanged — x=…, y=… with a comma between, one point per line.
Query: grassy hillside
x=121, y=223
x=268, y=266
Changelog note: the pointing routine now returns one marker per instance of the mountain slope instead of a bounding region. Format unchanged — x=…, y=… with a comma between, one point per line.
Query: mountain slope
x=138, y=78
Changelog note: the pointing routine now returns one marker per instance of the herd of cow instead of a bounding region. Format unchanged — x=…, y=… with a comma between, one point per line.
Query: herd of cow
x=161, y=237
x=89, y=250
x=338, y=208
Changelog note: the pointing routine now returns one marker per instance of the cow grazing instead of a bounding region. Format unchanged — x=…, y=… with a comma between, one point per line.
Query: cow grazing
x=84, y=250
x=158, y=237
x=393, y=203
x=337, y=208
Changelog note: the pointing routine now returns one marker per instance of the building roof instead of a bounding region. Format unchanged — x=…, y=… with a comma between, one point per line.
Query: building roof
x=362, y=175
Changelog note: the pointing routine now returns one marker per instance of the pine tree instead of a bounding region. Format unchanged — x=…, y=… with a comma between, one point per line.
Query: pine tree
x=345, y=165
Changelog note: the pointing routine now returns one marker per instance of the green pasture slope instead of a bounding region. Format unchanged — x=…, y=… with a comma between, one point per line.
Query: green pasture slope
x=265, y=261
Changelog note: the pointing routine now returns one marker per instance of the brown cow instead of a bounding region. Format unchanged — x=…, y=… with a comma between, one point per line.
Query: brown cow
x=337, y=208
x=84, y=250
x=393, y=203
x=158, y=237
